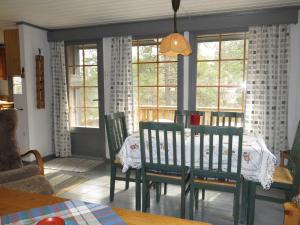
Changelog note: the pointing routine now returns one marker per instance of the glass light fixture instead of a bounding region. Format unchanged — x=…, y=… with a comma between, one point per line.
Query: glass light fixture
x=175, y=44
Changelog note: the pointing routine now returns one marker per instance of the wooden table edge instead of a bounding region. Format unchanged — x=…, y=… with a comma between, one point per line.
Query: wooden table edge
x=13, y=201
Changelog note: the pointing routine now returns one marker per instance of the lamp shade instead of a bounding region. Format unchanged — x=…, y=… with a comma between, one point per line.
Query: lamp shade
x=175, y=44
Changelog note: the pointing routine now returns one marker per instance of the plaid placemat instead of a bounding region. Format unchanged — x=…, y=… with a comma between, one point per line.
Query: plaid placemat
x=74, y=212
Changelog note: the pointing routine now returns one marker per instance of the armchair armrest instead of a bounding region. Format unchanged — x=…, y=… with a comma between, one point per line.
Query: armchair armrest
x=38, y=158
x=283, y=156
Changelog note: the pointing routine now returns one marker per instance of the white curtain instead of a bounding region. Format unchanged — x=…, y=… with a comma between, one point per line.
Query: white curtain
x=267, y=84
x=61, y=131
x=121, y=89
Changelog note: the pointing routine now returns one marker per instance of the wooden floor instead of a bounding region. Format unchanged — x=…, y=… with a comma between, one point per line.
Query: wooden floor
x=216, y=209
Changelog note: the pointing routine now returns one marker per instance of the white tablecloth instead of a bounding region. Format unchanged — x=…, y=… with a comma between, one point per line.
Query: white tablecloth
x=258, y=163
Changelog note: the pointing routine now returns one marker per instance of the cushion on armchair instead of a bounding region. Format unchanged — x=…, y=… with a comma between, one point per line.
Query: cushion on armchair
x=35, y=184
x=9, y=151
x=20, y=173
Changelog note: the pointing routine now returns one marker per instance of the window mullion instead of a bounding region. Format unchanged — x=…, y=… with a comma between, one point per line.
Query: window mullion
x=219, y=70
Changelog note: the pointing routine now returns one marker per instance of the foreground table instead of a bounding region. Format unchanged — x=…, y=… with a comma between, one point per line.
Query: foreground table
x=13, y=201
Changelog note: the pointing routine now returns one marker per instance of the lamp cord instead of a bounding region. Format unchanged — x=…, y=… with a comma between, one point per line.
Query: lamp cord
x=175, y=4
x=175, y=23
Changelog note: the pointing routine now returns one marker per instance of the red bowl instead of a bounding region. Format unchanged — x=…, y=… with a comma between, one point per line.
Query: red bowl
x=51, y=221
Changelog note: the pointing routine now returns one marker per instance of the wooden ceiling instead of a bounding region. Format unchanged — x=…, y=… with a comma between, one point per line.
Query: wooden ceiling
x=75, y=13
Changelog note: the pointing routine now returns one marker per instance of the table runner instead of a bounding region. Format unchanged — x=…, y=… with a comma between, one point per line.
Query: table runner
x=258, y=163
x=74, y=211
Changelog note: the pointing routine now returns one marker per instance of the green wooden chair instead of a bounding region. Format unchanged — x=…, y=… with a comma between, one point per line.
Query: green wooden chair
x=227, y=119
x=184, y=116
x=216, y=177
x=284, y=178
x=116, y=130
x=224, y=119
x=166, y=165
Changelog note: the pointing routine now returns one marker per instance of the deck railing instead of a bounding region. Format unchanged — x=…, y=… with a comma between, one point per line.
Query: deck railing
x=150, y=113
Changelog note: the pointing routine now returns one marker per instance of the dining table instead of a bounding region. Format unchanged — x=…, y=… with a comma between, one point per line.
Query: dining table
x=13, y=201
x=258, y=163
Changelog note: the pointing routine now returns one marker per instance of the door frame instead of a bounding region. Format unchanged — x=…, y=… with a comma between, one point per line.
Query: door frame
x=81, y=136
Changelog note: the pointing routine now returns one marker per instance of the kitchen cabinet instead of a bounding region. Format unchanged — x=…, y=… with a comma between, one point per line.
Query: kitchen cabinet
x=12, y=52
x=3, y=75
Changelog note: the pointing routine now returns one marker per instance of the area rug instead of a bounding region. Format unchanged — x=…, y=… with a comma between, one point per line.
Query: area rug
x=63, y=183
x=72, y=164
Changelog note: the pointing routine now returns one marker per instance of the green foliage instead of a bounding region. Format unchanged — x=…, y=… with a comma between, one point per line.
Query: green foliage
x=154, y=70
x=230, y=73
x=83, y=88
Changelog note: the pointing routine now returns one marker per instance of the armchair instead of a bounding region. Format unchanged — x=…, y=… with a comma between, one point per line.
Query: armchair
x=14, y=173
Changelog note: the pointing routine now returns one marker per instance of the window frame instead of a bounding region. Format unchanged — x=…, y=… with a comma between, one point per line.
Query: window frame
x=137, y=42
x=82, y=46
x=219, y=60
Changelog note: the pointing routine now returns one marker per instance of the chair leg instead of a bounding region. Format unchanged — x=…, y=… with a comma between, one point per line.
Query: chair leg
x=251, y=203
x=244, y=201
x=148, y=196
x=191, y=209
x=236, y=206
x=182, y=210
x=138, y=190
x=127, y=179
x=203, y=194
x=288, y=195
x=112, y=182
x=158, y=191
x=197, y=199
x=165, y=188
x=144, y=196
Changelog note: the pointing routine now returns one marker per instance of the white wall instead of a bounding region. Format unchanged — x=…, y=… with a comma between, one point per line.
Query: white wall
x=294, y=82
x=39, y=120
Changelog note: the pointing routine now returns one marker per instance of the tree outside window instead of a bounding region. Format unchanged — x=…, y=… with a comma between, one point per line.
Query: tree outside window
x=82, y=77
x=221, y=72
x=154, y=82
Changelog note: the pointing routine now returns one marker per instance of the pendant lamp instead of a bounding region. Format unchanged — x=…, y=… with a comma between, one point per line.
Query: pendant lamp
x=175, y=44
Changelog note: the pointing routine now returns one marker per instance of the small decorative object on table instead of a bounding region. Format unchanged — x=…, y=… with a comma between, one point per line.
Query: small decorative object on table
x=296, y=200
x=51, y=221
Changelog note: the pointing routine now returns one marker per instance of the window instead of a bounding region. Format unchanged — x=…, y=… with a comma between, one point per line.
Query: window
x=221, y=71
x=82, y=76
x=17, y=85
x=154, y=82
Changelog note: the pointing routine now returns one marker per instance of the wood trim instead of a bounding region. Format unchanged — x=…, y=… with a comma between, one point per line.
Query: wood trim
x=175, y=177
x=216, y=182
x=140, y=218
x=282, y=175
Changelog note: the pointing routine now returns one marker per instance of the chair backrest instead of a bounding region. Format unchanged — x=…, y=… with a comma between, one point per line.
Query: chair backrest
x=221, y=145
x=116, y=130
x=294, y=162
x=294, y=154
x=184, y=117
x=9, y=152
x=227, y=119
x=162, y=147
